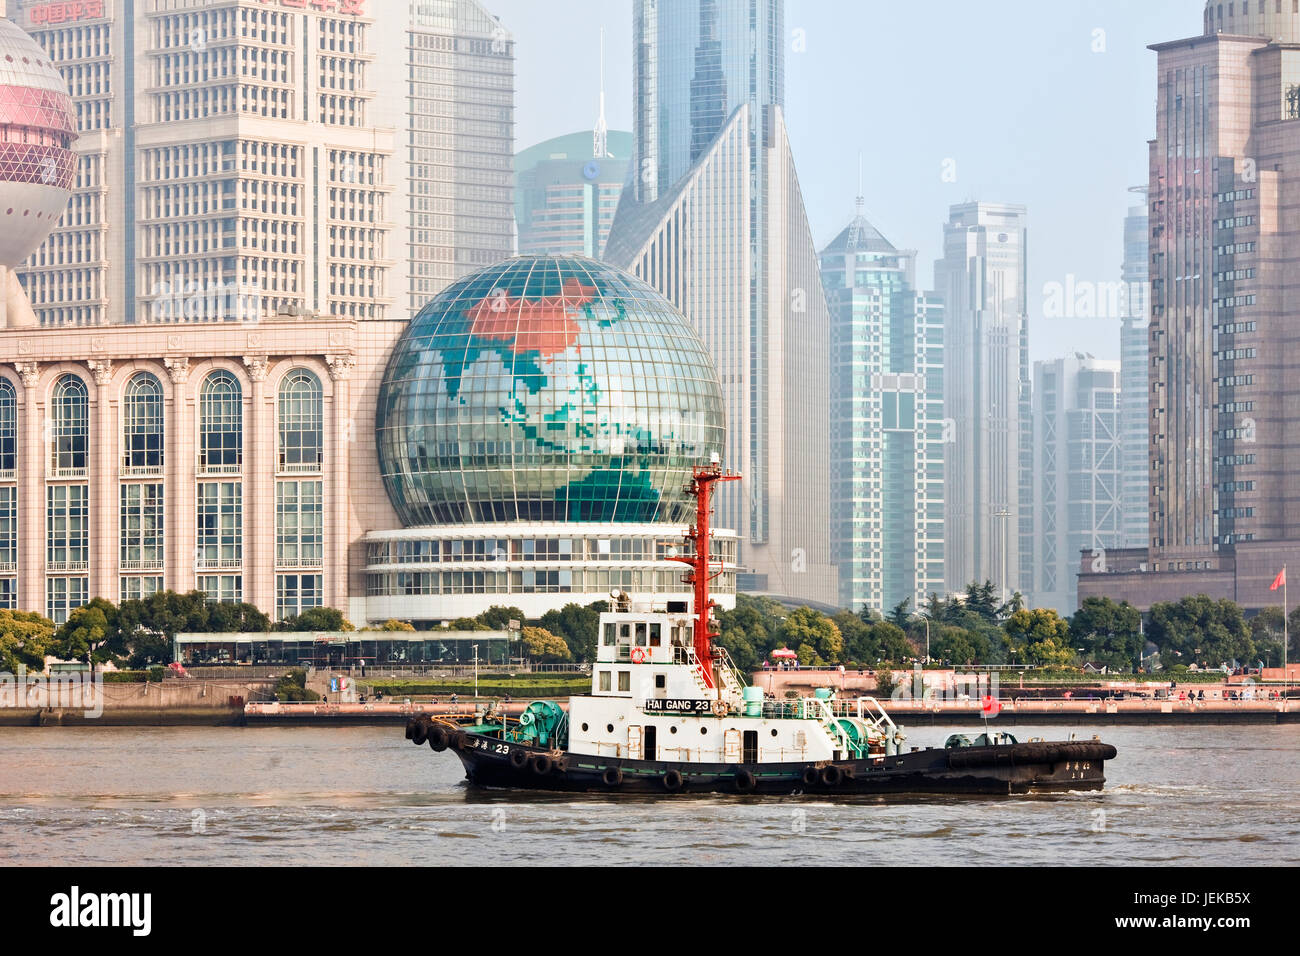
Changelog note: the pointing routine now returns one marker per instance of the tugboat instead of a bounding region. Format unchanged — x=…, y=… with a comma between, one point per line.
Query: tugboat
x=669, y=713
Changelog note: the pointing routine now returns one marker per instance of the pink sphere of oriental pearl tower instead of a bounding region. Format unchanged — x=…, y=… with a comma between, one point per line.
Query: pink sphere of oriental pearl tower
x=37, y=164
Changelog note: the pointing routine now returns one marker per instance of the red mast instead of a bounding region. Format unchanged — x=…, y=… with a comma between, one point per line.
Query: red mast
x=701, y=488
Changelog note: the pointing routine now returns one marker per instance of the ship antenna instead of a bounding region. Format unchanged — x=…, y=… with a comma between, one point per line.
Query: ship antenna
x=698, y=537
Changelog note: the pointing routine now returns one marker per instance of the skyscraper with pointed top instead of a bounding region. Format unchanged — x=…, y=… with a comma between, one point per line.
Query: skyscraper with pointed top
x=886, y=408
x=712, y=216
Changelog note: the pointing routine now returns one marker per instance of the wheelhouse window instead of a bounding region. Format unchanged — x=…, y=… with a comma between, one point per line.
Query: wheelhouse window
x=70, y=415
x=142, y=426
x=221, y=423
x=299, y=414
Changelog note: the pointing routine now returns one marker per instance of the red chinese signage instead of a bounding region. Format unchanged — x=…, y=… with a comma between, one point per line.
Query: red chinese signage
x=67, y=12
x=355, y=8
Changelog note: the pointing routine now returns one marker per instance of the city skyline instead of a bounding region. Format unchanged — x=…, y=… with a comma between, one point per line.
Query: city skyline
x=1067, y=115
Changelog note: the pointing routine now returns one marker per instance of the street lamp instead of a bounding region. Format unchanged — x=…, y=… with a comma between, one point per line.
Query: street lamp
x=476, y=672
x=926, y=618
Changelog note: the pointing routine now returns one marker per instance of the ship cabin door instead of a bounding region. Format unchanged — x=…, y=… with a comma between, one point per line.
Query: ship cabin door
x=749, y=750
x=650, y=742
x=634, y=743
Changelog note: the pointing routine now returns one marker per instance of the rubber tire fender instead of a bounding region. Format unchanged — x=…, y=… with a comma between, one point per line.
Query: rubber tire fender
x=831, y=775
x=541, y=764
x=438, y=738
x=745, y=781
x=612, y=777
x=420, y=733
x=519, y=759
x=410, y=728
x=673, y=781
x=810, y=776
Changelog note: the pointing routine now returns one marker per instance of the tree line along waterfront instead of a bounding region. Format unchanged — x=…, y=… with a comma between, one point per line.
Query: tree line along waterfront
x=971, y=628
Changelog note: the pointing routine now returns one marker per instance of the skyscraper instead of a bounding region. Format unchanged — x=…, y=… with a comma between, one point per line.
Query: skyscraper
x=565, y=197
x=1225, y=291
x=886, y=421
x=1134, y=409
x=988, y=458
x=712, y=216
x=239, y=158
x=1077, y=504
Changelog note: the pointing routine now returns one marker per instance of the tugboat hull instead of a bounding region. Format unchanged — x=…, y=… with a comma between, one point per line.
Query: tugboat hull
x=1003, y=769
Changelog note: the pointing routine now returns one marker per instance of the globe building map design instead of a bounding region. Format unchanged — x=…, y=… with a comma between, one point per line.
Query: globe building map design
x=548, y=389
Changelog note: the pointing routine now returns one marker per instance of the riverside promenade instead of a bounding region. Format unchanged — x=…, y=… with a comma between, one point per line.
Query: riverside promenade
x=1024, y=711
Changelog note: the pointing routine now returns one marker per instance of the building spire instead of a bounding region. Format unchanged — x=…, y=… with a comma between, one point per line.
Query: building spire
x=600, y=135
x=855, y=227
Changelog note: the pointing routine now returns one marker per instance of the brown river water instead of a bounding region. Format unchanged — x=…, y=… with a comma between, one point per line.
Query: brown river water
x=195, y=796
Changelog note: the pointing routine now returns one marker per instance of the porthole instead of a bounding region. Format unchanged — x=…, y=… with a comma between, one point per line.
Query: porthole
x=609, y=728
x=672, y=730
x=584, y=727
x=704, y=730
x=773, y=731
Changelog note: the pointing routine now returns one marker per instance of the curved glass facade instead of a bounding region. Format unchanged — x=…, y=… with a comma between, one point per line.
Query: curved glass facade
x=547, y=389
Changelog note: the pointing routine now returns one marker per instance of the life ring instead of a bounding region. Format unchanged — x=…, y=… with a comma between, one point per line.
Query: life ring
x=612, y=776
x=832, y=775
x=810, y=776
x=438, y=738
x=420, y=732
x=542, y=764
x=673, y=781
x=638, y=655
x=745, y=781
x=518, y=758
x=720, y=708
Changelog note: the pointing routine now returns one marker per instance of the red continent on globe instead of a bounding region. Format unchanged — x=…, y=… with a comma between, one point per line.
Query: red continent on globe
x=543, y=325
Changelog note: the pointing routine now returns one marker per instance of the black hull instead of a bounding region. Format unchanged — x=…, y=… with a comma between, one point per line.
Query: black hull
x=1005, y=769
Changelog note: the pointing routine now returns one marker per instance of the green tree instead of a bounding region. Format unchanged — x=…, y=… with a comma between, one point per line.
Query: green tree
x=1041, y=637
x=498, y=617
x=893, y=644
x=467, y=624
x=813, y=629
x=392, y=624
x=861, y=644
x=312, y=619
x=241, y=617
x=900, y=615
x=543, y=646
x=25, y=638
x=579, y=627
x=981, y=599
x=1109, y=633
x=1198, y=629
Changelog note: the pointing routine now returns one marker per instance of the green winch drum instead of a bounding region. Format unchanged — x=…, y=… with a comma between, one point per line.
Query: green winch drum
x=753, y=698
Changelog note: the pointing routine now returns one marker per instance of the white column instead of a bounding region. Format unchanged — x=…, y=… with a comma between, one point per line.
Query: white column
x=178, y=496
x=31, y=494
x=102, y=490
x=335, y=503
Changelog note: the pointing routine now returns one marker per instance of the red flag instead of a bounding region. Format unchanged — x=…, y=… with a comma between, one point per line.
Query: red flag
x=990, y=706
x=1278, y=581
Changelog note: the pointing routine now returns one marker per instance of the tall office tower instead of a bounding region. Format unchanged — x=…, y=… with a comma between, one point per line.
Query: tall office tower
x=1134, y=409
x=1077, y=505
x=565, y=197
x=459, y=124
x=239, y=158
x=886, y=421
x=1225, y=292
x=1225, y=288
x=988, y=461
x=712, y=216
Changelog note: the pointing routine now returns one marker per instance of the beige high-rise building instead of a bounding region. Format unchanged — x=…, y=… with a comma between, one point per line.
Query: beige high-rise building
x=1224, y=201
x=250, y=157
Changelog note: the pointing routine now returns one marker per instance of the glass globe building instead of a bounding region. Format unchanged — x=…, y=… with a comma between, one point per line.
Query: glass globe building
x=536, y=426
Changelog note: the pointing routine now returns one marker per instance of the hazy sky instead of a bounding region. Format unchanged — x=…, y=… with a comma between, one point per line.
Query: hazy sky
x=1049, y=103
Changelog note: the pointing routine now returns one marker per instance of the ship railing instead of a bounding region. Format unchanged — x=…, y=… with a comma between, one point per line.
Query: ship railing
x=873, y=713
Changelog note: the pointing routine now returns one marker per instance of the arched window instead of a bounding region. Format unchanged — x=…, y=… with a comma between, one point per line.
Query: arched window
x=142, y=426
x=301, y=435
x=69, y=413
x=8, y=428
x=221, y=423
